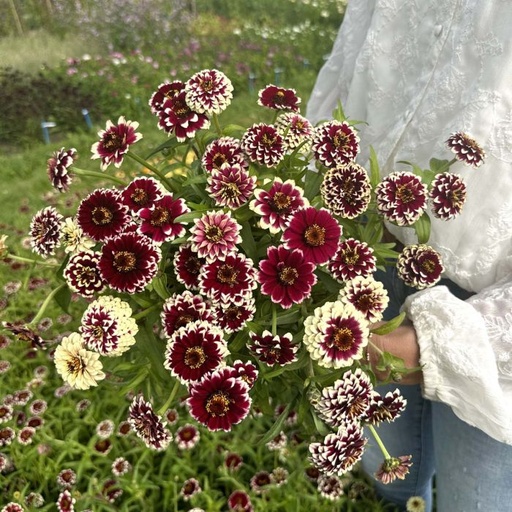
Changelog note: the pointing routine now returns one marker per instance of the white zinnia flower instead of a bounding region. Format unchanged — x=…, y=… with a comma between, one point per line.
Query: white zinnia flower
x=73, y=237
x=78, y=367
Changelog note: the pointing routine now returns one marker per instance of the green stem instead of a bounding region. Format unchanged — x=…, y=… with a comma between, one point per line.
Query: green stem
x=379, y=441
x=447, y=166
x=145, y=312
x=216, y=124
x=44, y=305
x=100, y=175
x=30, y=260
x=171, y=398
x=152, y=168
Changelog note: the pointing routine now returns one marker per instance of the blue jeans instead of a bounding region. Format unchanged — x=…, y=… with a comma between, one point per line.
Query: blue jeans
x=472, y=471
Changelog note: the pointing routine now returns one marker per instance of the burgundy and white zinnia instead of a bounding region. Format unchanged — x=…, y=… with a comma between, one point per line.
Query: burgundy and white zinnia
x=115, y=141
x=219, y=400
x=208, y=92
x=419, y=266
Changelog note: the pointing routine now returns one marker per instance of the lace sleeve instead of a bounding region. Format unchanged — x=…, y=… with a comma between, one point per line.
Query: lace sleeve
x=465, y=354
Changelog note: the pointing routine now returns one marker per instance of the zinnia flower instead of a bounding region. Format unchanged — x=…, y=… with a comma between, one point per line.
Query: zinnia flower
x=45, y=231
x=230, y=186
x=195, y=350
x=219, y=400
x=231, y=278
x=187, y=437
x=278, y=98
x=346, y=190
x=335, y=143
x=182, y=308
x=187, y=266
x=66, y=502
x=340, y=451
x=209, y=92
x=78, y=367
x=147, y=425
x=129, y=262
x=316, y=233
x=393, y=468
x=260, y=482
x=447, y=195
x=330, y=487
x=120, y=466
x=286, y=276
x=115, y=141
x=401, y=198
x=102, y=215
x=189, y=488
x=58, y=167
x=277, y=205
x=348, y=399
x=82, y=274
x=142, y=193
x=296, y=130
x=215, y=235
x=367, y=295
x=352, y=259
x=223, y=151
x=233, y=316
x=271, y=350
x=419, y=266
x=336, y=334
x=163, y=93
x=73, y=238
x=239, y=501
x=385, y=408
x=107, y=326
x=159, y=219
x=466, y=149
x=178, y=118
x=263, y=144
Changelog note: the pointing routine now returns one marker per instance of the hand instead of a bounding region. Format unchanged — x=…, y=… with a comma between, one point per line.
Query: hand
x=402, y=343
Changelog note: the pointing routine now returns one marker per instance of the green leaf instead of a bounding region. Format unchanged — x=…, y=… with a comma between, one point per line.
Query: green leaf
x=276, y=428
x=437, y=166
x=63, y=298
x=422, y=228
x=390, y=325
x=312, y=182
x=374, y=168
x=159, y=284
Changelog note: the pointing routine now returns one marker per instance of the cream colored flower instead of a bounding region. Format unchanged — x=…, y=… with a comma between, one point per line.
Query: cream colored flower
x=416, y=504
x=73, y=238
x=79, y=367
x=4, y=250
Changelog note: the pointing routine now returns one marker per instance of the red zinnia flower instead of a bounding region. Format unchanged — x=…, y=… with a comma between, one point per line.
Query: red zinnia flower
x=147, y=425
x=129, y=262
x=278, y=98
x=178, y=118
x=182, y=308
x=187, y=437
x=231, y=316
x=194, y=350
x=419, y=266
x=231, y=278
x=225, y=150
x=314, y=232
x=209, y=92
x=58, y=167
x=385, y=408
x=239, y=501
x=346, y=190
x=278, y=204
x=447, y=195
x=45, y=231
x=286, y=276
x=401, y=198
x=102, y=215
x=260, y=482
x=263, y=144
x=367, y=295
x=246, y=371
x=335, y=143
x=466, y=149
x=158, y=220
x=66, y=502
x=142, y=193
x=273, y=350
x=219, y=400
x=352, y=259
x=163, y=93
x=115, y=141
x=82, y=274
x=187, y=266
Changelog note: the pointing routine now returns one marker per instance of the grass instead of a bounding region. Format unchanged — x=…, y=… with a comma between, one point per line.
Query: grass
x=40, y=48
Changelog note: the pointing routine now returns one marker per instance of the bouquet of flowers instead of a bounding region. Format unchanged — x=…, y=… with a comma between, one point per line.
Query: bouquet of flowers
x=236, y=271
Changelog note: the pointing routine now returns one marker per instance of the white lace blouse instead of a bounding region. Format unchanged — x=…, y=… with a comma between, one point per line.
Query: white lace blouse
x=416, y=71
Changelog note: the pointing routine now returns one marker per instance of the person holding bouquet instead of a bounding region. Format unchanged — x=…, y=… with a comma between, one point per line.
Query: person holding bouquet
x=433, y=78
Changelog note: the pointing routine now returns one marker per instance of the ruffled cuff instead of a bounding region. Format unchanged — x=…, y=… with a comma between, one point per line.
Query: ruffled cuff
x=459, y=367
